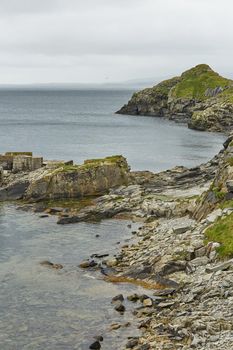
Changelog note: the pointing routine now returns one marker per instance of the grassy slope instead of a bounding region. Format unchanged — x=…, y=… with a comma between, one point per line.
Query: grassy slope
x=197, y=80
x=222, y=232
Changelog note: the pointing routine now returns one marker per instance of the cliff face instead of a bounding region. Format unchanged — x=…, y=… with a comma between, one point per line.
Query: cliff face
x=93, y=178
x=200, y=97
x=220, y=193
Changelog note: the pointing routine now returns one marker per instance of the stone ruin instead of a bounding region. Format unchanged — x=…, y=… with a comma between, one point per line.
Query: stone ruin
x=19, y=162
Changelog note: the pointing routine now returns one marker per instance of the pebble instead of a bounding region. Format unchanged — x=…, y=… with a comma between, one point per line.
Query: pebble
x=148, y=302
x=86, y=264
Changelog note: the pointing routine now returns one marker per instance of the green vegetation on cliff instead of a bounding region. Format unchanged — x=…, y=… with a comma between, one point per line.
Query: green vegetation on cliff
x=222, y=232
x=195, y=82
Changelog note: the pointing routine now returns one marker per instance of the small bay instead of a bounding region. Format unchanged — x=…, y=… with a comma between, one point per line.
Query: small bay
x=46, y=309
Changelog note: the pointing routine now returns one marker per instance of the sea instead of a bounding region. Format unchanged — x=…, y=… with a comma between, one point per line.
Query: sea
x=64, y=309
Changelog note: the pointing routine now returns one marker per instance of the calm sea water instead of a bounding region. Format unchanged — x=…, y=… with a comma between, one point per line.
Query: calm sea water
x=81, y=124
x=42, y=309
x=63, y=309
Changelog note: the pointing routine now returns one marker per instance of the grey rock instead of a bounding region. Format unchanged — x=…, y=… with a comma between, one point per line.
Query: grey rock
x=95, y=346
x=132, y=343
x=118, y=297
x=119, y=307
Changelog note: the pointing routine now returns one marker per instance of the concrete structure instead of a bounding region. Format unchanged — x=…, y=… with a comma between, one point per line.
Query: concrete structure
x=20, y=161
x=26, y=163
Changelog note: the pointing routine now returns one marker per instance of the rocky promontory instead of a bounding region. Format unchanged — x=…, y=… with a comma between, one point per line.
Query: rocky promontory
x=199, y=97
x=22, y=176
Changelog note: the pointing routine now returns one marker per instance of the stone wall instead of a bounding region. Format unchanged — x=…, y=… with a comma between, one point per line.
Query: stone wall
x=20, y=161
x=26, y=163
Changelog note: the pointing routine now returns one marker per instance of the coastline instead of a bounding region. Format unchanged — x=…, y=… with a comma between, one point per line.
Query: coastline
x=172, y=258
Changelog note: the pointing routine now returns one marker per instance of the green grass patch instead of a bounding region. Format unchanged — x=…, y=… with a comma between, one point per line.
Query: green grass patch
x=222, y=232
x=230, y=161
x=195, y=81
x=220, y=195
x=226, y=204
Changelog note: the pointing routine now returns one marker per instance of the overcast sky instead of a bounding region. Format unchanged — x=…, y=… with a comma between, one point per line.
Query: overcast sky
x=112, y=40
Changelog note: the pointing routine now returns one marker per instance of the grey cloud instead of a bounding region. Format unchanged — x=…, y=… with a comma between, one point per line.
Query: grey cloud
x=62, y=40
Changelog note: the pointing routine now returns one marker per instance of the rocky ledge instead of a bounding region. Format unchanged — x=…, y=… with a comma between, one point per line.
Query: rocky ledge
x=59, y=180
x=199, y=97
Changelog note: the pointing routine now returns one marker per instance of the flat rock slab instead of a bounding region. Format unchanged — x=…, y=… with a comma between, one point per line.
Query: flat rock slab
x=182, y=225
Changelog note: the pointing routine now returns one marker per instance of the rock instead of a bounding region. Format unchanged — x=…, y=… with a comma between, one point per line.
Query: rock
x=99, y=338
x=51, y=265
x=144, y=347
x=87, y=264
x=147, y=302
x=119, y=307
x=115, y=326
x=118, y=297
x=229, y=184
x=14, y=190
x=111, y=263
x=166, y=304
x=211, y=218
x=95, y=346
x=164, y=292
x=181, y=229
x=132, y=343
x=55, y=210
x=200, y=261
x=200, y=252
x=94, y=177
x=133, y=297
x=224, y=266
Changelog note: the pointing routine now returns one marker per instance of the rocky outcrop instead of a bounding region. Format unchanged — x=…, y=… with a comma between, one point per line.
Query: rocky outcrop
x=152, y=101
x=60, y=181
x=217, y=117
x=200, y=97
x=221, y=189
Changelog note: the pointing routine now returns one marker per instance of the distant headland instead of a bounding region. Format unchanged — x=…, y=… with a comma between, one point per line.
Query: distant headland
x=199, y=97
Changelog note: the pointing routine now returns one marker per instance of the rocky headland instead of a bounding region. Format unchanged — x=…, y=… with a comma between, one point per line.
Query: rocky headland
x=182, y=252
x=199, y=97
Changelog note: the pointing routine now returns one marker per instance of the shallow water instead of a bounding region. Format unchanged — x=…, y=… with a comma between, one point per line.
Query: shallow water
x=42, y=308
x=81, y=124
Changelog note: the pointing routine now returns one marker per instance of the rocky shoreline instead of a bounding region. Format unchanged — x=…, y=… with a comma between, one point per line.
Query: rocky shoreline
x=189, y=276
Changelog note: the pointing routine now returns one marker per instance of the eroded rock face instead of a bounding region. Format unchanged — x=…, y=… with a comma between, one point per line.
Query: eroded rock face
x=217, y=117
x=93, y=178
x=199, y=97
x=151, y=101
x=220, y=189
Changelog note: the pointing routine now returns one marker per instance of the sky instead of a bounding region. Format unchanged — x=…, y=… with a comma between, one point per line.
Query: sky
x=104, y=41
